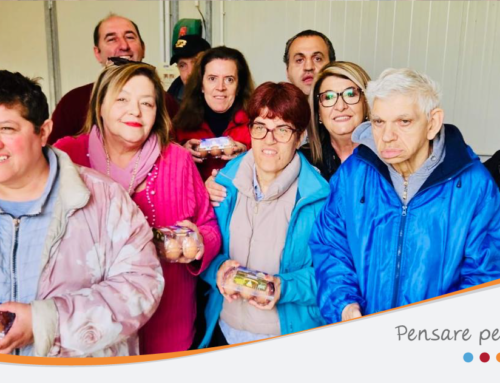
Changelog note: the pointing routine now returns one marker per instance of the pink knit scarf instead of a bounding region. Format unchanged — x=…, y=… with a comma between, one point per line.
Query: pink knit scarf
x=98, y=160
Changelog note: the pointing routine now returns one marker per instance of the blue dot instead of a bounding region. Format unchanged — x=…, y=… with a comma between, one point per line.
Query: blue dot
x=468, y=357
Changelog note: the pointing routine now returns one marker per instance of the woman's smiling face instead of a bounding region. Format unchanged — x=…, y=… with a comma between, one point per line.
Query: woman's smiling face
x=342, y=118
x=271, y=156
x=129, y=117
x=220, y=84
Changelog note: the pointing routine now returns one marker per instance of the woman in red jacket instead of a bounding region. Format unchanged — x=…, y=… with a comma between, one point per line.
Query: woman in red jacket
x=214, y=105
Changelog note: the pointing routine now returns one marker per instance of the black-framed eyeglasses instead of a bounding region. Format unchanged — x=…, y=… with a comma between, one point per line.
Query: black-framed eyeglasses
x=350, y=96
x=281, y=134
x=119, y=61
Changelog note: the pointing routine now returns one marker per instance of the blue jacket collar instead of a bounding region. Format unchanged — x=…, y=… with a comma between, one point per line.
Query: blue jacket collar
x=457, y=158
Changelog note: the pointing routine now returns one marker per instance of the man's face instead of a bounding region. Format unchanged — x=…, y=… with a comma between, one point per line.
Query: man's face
x=185, y=67
x=402, y=131
x=307, y=55
x=20, y=147
x=118, y=38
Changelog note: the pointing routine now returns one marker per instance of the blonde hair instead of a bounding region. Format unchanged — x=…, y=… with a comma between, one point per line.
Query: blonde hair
x=112, y=80
x=343, y=69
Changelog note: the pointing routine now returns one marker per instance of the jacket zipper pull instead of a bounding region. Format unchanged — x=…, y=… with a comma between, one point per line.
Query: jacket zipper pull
x=404, y=210
x=16, y=223
x=256, y=208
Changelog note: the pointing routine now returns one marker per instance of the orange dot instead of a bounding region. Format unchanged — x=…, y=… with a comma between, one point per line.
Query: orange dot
x=498, y=357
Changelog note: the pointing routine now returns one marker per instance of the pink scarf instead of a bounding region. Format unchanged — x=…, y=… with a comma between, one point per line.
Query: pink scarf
x=98, y=160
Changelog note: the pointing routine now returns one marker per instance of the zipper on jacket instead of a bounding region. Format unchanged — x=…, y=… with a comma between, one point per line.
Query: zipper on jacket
x=14, y=284
x=397, y=274
x=14, y=260
x=402, y=225
x=16, y=222
x=255, y=211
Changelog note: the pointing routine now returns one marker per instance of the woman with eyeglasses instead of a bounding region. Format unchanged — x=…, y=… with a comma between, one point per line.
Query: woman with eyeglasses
x=126, y=137
x=273, y=197
x=338, y=106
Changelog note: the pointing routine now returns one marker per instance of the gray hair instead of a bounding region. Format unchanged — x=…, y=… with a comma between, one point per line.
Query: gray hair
x=408, y=82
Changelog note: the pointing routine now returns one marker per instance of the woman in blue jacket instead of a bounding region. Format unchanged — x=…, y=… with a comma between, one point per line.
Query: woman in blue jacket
x=273, y=198
x=412, y=214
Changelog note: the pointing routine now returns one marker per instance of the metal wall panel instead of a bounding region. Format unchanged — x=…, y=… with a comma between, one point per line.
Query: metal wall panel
x=457, y=43
x=23, y=47
x=77, y=21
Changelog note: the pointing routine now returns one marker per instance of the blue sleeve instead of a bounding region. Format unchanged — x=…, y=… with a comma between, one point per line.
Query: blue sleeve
x=332, y=259
x=223, y=219
x=210, y=273
x=482, y=253
x=298, y=287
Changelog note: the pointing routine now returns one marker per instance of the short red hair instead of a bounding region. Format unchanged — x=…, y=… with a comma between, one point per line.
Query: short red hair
x=280, y=100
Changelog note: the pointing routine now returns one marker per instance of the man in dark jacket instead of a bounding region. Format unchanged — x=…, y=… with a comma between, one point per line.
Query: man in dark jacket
x=186, y=51
x=114, y=36
x=493, y=165
x=412, y=214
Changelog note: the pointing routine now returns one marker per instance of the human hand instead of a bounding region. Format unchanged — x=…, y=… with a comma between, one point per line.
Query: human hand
x=201, y=250
x=21, y=332
x=216, y=192
x=223, y=269
x=191, y=146
x=238, y=148
x=277, y=294
x=351, y=311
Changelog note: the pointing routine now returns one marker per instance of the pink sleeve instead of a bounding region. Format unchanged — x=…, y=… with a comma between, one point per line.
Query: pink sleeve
x=76, y=148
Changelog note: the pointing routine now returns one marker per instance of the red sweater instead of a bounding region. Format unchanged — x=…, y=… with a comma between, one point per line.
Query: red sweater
x=179, y=194
x=71, y=112
x=237, y=130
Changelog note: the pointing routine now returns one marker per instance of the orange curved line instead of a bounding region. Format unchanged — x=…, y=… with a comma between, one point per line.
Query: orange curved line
x=43, y=361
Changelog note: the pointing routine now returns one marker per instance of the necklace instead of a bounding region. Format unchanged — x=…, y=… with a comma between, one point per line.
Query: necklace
x=152, y=176
x=134, y=172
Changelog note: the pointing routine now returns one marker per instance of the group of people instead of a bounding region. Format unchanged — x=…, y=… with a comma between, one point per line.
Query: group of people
x=352, y=196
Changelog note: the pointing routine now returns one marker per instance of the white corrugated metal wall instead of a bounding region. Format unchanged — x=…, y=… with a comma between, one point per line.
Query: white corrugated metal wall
x=456, y=42
x=23, y=47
